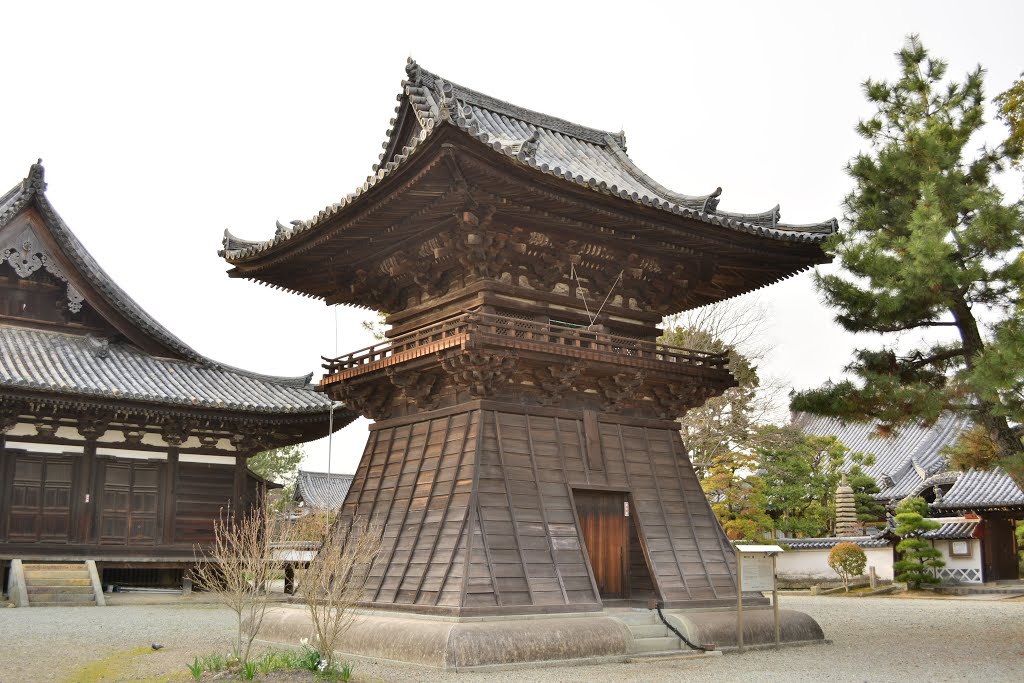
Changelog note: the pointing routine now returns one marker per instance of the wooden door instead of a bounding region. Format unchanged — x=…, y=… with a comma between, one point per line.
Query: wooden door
x=1000, y=549
x=605, y=530
x=40, y=499
x=129, y=503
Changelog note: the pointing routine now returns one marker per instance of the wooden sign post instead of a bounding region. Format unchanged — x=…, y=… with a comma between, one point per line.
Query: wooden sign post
x=755, y=570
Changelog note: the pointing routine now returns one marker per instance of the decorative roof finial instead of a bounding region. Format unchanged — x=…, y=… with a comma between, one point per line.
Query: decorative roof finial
x=530, y=145
x=448, y=107
x=35, y=182
x=412, y=69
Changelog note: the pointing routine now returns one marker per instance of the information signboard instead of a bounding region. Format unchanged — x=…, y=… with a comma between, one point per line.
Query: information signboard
x=758, y=572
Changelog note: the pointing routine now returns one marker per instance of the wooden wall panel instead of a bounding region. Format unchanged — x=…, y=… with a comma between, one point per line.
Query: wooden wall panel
x=479, y=512
x=204, y=492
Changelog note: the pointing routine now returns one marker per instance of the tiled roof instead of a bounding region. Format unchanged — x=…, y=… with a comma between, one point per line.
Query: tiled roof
x=71, y=364
x=322, y=491
x=906, y=462
x=953, y=529
x=576, y=154
x=32, y=190
x=820, y=543
x=980, y=489
x=66, y=363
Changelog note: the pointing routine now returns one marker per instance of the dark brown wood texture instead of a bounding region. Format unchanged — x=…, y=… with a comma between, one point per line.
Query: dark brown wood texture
x=999, y=549
x=603, y=525
x=39, y=508
x=479, y=514
x=130, y=502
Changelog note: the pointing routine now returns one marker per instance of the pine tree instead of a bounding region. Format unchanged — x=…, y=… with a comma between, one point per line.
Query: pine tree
x=931, y=247
x=919, y=557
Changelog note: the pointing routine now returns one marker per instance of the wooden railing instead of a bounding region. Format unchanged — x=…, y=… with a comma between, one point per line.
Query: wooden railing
x=514, y=329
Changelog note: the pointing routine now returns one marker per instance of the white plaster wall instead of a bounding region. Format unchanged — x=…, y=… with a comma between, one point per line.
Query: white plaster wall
x=128, y=453
x=972, y=562
x=45, y=447
x=210, y=459
x=813, y=564
x=22, y=429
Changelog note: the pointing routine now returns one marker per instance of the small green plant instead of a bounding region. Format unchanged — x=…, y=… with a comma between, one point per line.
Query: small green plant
x=268, y=662
x=848, y=560
x=920, y=559
x=248, y=671
x=309, y=659
x=345, y=673
x=214, y=663
x=196, y=668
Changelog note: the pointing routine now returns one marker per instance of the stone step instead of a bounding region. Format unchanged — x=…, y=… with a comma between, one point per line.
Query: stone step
x=43, y=580
x=656, y=644
x=59, y=566
x=84, y=603
x=55, y=590
x=648, y=630
x=58, y=574
x=61, y=598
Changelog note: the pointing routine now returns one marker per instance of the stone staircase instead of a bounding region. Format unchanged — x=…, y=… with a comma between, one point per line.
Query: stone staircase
x=651, y=638
x=50, y=584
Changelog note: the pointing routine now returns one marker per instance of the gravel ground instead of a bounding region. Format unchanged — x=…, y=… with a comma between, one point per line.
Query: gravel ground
x=873, y=639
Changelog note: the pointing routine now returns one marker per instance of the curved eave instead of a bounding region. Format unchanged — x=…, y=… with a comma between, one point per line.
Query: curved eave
x=250, y=253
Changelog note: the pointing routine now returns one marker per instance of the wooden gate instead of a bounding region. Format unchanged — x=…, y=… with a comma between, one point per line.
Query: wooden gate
x=605, y=530
x=40, y=499
x=130, y=501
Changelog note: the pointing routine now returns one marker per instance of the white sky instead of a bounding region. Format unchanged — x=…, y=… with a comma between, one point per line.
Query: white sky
x=161, y=127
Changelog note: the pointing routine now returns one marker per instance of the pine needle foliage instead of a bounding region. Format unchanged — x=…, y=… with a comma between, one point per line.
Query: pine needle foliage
x=932, y=248
x=920, y=559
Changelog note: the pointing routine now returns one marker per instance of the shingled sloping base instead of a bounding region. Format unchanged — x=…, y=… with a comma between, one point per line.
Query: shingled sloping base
x=498, y=642
x=480, y=513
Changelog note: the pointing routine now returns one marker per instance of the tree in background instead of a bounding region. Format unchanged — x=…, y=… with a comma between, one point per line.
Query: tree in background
x=800, y=473
x=1011, y=111
x=721, y=435
x=932, y=246
x=278, y=464
x=848, y=560
x=919, y=557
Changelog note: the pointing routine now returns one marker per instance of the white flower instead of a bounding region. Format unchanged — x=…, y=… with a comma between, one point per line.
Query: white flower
x=323, y=665
x=304, y=642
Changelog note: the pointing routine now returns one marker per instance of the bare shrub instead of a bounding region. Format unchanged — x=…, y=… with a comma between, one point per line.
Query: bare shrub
x=333, y=583
x=237, y=568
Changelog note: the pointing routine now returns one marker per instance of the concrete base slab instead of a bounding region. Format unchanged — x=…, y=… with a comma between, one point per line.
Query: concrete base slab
x=499, y=643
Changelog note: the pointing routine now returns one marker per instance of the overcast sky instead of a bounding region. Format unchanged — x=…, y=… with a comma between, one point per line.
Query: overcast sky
x=161, y=128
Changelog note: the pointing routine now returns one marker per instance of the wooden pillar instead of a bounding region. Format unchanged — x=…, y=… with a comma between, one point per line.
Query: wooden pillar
x=85, y=496
x=170, y=495
x=289, y=579
x=240, y=476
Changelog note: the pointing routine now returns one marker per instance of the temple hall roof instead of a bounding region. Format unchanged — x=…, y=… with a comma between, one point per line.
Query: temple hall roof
x=982, y=488
x=65, y=363
x=322, y=491
x=906, y=462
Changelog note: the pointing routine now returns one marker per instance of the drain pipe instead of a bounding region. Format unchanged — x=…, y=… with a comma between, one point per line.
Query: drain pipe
x=702, y=648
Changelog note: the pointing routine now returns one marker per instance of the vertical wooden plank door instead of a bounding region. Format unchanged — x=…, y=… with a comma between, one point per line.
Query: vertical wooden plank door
x=603, y=523
x=131, y=499
x=40, y=499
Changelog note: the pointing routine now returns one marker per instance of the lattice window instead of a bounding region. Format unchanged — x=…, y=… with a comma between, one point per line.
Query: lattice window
x=953, y=575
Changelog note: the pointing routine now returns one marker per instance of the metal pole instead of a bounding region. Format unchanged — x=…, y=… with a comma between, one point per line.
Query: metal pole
x=775, y=606
x=739, y=601
x=330, y=443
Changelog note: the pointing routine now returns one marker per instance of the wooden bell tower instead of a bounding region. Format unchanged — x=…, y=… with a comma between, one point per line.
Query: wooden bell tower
x=524, y=456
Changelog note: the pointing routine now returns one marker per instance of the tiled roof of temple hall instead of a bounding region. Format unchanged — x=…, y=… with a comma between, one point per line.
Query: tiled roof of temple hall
x=577, y=154
x=322, y=491
x=67, y=364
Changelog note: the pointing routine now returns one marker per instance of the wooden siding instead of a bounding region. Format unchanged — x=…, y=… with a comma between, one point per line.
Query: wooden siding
x=479, y=513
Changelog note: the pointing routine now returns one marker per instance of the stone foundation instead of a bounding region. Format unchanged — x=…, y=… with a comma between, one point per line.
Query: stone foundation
x=479, y=643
